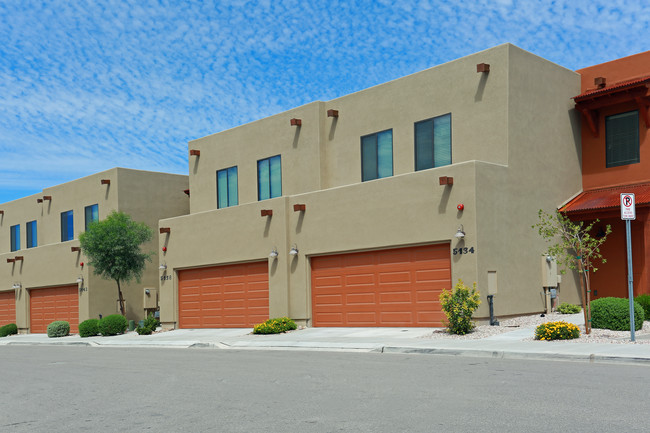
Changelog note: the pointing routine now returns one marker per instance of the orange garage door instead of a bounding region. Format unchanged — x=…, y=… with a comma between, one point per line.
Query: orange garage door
x=7, y=308
x=398, y=287
x=231, y=296
x=53, y=303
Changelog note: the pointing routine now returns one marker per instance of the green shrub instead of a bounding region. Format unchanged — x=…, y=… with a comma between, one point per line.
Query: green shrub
x=275, y=326
x=644, y=301
x=614, y=314
x=58, y=328
x=89, y=328
x=566, y=308
x=9, y=329
x=113, y=325
x=459, y=305
x=150, y=324
x=557, y=331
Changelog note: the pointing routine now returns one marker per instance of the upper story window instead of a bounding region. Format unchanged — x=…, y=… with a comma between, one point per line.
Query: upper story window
x=227, y=187
x=377, y=155
x=67, y=226
x=622, y=138
x=15, y=237
x=91, y=214
x=32, y=235
x=433, y=142
x=269, y=178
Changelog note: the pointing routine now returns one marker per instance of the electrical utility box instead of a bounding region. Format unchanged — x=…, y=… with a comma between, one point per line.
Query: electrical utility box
x=549, y=271
x=150, y=298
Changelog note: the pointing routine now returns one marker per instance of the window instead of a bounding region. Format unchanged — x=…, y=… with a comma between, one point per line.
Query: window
x=227, y=187
x=622, y=137
x=433, y=142
x=32, y=235
x=269, y=178
x=377, y=155
x=91, y=214
x=67, y=226
x=15, y=237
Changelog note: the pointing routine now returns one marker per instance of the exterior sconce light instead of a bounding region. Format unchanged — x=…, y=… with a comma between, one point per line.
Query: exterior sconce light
x=274, y=253
x=16, y=286
x=332, y=113
x=267, y=212
x=294, y=250
x=446, y=180
x=47, y=197
x=600, y=82
x=187, y=191
x=483, y=67
x=165, y=230
x=2, y=212
x=75, y=249
x=299, y=207
x=39, y=200
x=80, y=279
x=460, y=207
x=18, y=258
x=11, y=261
x=106, y=181
x=195, y=152
x=549, y=259
x=296, y=122
x=163, y=267
x=460, y=234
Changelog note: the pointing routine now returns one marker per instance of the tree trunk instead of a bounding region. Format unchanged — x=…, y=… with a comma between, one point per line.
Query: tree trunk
x=583, y=295
x=588, y=287
x=121, y=298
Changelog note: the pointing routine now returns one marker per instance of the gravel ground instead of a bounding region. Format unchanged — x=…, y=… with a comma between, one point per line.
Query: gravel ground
x=515, y=323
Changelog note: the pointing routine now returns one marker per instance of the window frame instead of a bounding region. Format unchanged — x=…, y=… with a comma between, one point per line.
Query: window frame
x=229, y=201
x=69, y=225
x=90, y=208
x=609, y=146
x=272, y=192
x=366, y=174
x=14, y=237
x=31, y=232
x=433, y=142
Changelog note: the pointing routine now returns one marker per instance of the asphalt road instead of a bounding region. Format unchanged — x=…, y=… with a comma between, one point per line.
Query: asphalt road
x=70, y=389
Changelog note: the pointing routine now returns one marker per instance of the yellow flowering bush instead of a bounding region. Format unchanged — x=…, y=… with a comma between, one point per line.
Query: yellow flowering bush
x=275, y=326
x=459, y=305
x=560, y=330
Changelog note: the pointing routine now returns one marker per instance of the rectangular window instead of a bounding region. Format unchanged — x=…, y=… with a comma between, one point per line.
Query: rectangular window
x=15, y=237
x=67, y=226
x=32, y=235
x=269, y=178
x=91, y=214
x=622, y=137
x=377, y=155
x=433, y=142
x=227, y=187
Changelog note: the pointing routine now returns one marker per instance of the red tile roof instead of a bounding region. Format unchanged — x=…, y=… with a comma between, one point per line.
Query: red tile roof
x=613, y=88
x=607, y=198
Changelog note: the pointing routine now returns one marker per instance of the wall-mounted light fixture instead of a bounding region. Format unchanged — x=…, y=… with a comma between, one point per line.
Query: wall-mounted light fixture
x=274, y=253
x=195, y=152
x=162, y=267
x=600, y=82
x=267, y=212
x=165, y=230
x=296, y=122
x=16, y=286
x=39, y=200
x=483, y=67
x=332, y=113
x=80, y=279
x=47, y=197
x=294, y=250
x=187, y=192
x=18, y=258
x=75, y=249
x=11, y=260
x=446, y=180
x=460, y=234
x=299, y=207
x=2, y=212
x=106, y=181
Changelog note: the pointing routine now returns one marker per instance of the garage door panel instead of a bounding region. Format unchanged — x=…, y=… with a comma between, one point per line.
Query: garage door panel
x=397, y=287
x=230, y=296
x=7, y=308
x=53, y=303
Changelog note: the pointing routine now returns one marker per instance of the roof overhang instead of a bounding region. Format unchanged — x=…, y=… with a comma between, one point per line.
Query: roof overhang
x=606, y=199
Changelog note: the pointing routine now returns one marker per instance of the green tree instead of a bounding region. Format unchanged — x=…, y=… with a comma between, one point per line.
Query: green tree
x=112, y=247
x=575, y=248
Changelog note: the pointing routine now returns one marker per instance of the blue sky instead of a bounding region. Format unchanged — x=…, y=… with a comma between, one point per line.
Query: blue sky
x=87, y=86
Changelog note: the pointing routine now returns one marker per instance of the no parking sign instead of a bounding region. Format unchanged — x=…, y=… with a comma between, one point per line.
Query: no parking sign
x=628, y=211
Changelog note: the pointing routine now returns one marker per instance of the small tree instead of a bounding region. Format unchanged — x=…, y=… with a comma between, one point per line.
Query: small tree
x=575, y=248
x=113, y=249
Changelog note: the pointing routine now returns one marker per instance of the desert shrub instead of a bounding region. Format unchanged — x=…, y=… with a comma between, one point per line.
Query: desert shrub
x=58, y=328
x=113, y=325
x=89, y=328
x=566, y=308
x=275, y=326
x=9, y=329
x=560, y=330
x=614, y=314
x=150, y=324
x=644, y=301
x=459, y=305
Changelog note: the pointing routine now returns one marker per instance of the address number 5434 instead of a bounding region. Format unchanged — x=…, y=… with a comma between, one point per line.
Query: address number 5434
x=464, y=250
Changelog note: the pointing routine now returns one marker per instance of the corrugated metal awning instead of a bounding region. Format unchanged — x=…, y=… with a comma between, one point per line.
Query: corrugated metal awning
x=607, y=198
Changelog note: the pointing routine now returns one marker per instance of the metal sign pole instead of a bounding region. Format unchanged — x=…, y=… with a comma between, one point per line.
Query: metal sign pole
x=630, y=277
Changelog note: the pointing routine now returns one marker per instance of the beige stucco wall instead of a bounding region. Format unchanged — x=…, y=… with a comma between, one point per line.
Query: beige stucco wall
x=52, y=263
x=515, y=141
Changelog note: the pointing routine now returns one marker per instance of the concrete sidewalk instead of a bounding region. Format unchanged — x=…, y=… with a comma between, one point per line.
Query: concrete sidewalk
x=513, y=344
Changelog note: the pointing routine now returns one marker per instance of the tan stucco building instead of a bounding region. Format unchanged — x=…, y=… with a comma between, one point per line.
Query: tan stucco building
x=345, y=212
x=43, y=276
